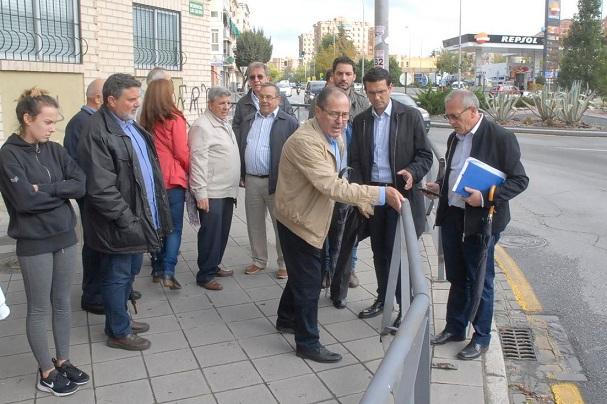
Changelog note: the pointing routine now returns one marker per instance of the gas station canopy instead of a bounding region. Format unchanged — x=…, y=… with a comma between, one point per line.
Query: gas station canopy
x=486, y=43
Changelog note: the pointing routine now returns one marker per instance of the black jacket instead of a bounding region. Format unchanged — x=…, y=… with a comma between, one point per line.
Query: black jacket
x=284, y=125
x=245, y=107
x=73, y=130
x=409, y=149
x=499, y=148
x=41, y=221
x=117, y=217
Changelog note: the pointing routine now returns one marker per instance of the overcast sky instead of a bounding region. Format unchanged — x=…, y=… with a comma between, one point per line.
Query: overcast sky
x=424, y=24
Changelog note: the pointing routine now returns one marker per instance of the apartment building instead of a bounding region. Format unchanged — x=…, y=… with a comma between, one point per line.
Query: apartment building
x=357, y=31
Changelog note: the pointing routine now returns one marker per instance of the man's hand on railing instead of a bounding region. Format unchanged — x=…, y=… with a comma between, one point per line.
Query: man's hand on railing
x=394, y=198
x=434, y=189
x=408, y=177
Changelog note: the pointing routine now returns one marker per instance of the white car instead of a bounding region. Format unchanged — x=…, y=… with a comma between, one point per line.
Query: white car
x=285, y=89
x=358, y=87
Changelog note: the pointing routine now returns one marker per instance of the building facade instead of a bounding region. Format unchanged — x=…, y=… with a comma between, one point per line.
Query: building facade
x=357, y=31
x=306, y=46
x=62, y=45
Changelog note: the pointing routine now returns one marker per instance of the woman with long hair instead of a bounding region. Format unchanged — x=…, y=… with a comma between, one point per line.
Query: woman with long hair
x=37, y=180
x=160, y=117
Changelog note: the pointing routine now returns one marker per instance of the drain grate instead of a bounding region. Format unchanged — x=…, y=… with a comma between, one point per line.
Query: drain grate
x=517, y=343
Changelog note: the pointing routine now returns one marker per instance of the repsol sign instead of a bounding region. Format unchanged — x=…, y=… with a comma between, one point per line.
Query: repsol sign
x=529, y=40
x=483, y=38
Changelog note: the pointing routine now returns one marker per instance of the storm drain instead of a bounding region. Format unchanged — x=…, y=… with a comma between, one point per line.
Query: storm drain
x=517, y=343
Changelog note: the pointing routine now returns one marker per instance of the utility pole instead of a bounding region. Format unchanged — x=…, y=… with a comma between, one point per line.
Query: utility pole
x=382, y=50
x=362, y=67
x=459, y=50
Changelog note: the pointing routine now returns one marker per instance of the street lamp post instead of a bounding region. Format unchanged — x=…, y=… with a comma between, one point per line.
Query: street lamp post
x=362, y=65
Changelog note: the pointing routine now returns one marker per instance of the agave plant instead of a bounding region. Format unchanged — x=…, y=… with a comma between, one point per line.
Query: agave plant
x=545, y=105
x=574, y=103
x=501, y=106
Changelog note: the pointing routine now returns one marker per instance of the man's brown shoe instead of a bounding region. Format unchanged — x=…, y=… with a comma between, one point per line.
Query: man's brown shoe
x=252, y=269
x=138, y=327
x=353, y=282
x=211, y=285
x=282, y=273
x=222, y=273
x=171, y=283
x=131, y=342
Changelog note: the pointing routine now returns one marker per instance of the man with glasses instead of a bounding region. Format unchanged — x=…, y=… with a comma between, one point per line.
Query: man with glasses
x=389, y=148
x=307, y=188
x=257, y=74
x=262, y=135
x=461, y=218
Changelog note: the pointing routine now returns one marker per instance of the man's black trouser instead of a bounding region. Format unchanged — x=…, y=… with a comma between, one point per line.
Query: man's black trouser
x=298, y=306
x=382, y=228
x=91, y=272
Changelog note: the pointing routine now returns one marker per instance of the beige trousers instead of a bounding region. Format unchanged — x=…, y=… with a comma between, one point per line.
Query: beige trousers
x=257, y=204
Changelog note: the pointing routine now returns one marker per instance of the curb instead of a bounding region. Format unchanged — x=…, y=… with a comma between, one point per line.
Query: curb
x=494, y=369
x=539, y=131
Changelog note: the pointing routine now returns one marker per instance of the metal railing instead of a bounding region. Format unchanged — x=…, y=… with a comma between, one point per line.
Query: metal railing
x=431, y=209
x=404, y=373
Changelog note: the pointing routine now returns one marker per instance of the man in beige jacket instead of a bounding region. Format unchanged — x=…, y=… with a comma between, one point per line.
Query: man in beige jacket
x=214, y=178
x=308, y=186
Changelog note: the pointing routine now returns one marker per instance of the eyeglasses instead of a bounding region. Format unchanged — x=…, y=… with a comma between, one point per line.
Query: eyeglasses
x=258, y=77
x=266, y=97
x=337, y=115
x=454, y=117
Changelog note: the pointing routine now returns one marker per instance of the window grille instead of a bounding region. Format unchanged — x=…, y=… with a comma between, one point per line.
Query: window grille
x=41, y=31
x=156, y=38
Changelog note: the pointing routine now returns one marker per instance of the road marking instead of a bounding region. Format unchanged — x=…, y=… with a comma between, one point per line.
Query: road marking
x=566, y=393
x=580, y=149
x=523, y=292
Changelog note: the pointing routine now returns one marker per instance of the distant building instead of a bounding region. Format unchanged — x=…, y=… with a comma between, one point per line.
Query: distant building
x=306, y=46
x=284, y=63
x=415, y=64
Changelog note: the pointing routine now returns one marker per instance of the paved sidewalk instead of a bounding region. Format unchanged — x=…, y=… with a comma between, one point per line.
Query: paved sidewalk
x=222, y=347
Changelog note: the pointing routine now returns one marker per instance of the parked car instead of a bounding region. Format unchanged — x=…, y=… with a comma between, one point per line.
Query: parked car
x=358, y=87
x=313, y=88
x=458, y=84
x=504, y=88
x=407, y=100
x=285, y=88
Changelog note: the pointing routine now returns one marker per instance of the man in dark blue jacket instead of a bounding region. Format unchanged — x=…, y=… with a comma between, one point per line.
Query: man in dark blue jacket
x=461, y=218
x=91, y=300
x=260, y=139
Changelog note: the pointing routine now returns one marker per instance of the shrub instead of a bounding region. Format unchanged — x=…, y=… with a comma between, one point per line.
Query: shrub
x=433, y=100
x=545, y=106
x=574, y=103
x=501, y=106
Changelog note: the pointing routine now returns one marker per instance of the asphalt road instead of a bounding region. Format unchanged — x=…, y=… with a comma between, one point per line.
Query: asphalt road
x=558, y=236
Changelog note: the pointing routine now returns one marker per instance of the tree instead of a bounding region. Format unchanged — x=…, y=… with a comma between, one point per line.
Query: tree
x=274, y=73
x=584, y=51
x=395, y=71
x=252, y=46
x=446, y=62
x=332, y=46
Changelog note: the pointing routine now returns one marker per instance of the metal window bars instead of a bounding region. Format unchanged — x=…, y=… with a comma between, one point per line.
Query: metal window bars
x=157, y=38
x=41, y=31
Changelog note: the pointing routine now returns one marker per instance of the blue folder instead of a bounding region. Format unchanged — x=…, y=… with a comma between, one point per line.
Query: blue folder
x=478, y=175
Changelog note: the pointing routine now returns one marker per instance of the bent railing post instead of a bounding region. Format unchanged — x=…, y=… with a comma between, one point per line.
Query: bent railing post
x=405, y=370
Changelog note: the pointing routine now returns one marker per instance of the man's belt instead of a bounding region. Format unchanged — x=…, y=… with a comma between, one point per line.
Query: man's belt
x=259, y=176
x=381, y=184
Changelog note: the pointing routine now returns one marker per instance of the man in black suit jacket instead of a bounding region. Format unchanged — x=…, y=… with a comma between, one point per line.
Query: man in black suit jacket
x=260, y=139
x=389, y=148
x=462, y=218
x=257, y=73
x=91, y=300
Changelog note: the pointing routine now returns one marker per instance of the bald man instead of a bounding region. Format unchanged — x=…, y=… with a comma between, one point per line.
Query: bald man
x=91, y=289
x=94, y=99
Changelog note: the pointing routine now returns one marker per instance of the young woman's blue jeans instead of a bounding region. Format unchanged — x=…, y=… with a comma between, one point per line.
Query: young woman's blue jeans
x=163, y=263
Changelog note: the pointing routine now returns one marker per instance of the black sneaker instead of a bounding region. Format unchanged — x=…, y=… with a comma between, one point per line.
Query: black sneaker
x=70, y=371
x=56, y=384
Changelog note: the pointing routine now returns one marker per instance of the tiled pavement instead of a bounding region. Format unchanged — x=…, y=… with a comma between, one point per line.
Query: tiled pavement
x=222, y=347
